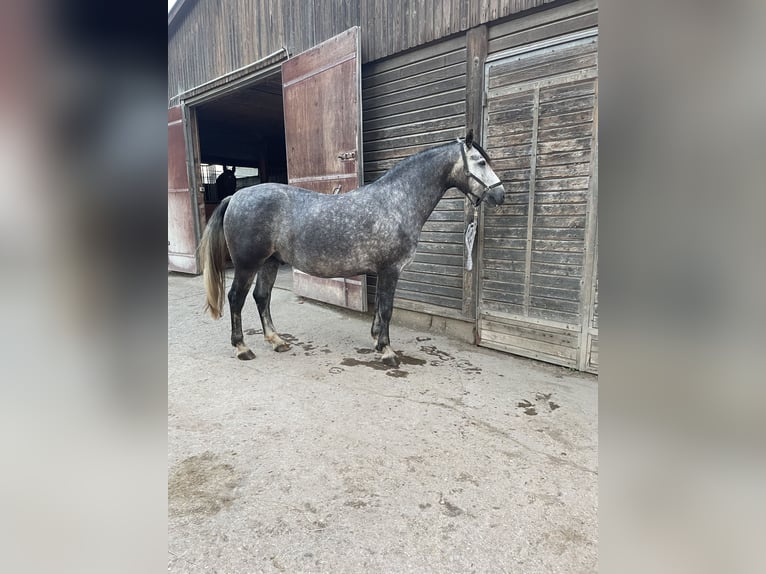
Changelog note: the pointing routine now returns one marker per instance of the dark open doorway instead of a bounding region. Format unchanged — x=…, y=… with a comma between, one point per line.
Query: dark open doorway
x=243, y=128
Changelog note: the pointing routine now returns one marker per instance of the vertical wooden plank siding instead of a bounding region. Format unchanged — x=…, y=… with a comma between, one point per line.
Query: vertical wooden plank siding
x=538, y=263
x=412, y=102
x=531, y=197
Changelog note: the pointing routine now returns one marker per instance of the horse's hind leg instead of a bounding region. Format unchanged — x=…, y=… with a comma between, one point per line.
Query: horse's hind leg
x=262, y=294
x=237, y=295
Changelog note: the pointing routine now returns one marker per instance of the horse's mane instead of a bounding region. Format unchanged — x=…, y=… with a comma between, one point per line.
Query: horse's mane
x=406, y=161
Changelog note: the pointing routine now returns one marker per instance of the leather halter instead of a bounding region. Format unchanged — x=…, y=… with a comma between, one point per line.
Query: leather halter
x=467, y=173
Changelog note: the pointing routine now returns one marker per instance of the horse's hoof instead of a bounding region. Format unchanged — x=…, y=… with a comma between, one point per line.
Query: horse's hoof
x=282, y=347
x=391, y=361
x=246, y=355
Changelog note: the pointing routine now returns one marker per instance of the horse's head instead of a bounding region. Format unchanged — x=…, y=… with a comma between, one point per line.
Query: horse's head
x=226, y=183
x=480, y=183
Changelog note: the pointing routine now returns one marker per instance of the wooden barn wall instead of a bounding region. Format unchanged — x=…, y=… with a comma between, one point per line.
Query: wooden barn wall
x=210, y=38
x=592, y=351
x=409, y=103
x=537, y=294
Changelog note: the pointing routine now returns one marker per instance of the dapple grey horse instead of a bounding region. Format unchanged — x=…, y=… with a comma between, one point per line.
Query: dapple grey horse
x=373, y=229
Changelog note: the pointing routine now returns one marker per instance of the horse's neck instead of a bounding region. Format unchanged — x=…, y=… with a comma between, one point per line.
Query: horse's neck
x=417, y=187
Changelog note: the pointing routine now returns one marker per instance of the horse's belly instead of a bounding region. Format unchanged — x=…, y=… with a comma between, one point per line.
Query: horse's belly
x=330, y=265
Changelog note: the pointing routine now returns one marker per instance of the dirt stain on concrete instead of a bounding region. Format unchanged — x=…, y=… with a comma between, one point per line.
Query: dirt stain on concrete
x=377, y=365
x=373, y=364
x=540, y=398
x=442, y=357
x=403, y=359
x=407, y=360
x=432, y=351
x=294, y=341
x=202, y=485
x=563, y=539
x=558, y=436
x=448, y=508
x=465, y=477
x=529, y=408
x=310, y=507
x=308, y=348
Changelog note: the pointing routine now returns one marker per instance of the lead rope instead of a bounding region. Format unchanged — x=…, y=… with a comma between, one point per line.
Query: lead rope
x=470, y=234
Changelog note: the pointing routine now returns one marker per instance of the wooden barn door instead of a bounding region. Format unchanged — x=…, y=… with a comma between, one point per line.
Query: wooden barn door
x=322, y=102
x=537, y=263
x=182, y=235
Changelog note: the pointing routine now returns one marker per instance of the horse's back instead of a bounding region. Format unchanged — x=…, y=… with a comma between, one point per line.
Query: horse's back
x=260, y=202
x=263, y=190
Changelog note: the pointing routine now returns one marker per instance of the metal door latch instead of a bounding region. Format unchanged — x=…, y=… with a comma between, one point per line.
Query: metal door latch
x=347, y=155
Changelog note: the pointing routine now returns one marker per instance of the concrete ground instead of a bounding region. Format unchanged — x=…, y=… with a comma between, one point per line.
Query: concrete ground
x=321, y=460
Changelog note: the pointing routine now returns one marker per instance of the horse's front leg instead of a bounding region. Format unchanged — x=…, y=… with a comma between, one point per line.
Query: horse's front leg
x=385, y=307
x=262, y=295
x=375, y=330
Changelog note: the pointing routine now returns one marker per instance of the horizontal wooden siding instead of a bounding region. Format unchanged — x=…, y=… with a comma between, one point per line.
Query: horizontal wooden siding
x=412, y=102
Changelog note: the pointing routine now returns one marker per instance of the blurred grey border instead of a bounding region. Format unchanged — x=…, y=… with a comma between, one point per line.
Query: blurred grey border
x=681, y=201
x=83, y=291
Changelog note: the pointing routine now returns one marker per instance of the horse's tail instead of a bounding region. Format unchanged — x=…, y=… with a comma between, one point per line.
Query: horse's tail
x=212, y=249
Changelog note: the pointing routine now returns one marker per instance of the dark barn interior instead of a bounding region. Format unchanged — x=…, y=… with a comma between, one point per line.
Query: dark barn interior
x=246, y=128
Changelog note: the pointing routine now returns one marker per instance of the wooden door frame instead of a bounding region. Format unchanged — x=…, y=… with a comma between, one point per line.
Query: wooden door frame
x=191, y=135
x=590, y=265
x=189, y=101
x=188, y=145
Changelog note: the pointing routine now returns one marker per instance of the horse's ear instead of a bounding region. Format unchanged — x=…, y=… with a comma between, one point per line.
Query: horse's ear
x=469, y=138
x=224, y=168
x=233, y=168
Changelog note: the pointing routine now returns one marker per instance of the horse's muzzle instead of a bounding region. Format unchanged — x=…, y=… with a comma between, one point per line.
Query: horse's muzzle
x=495, y=196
